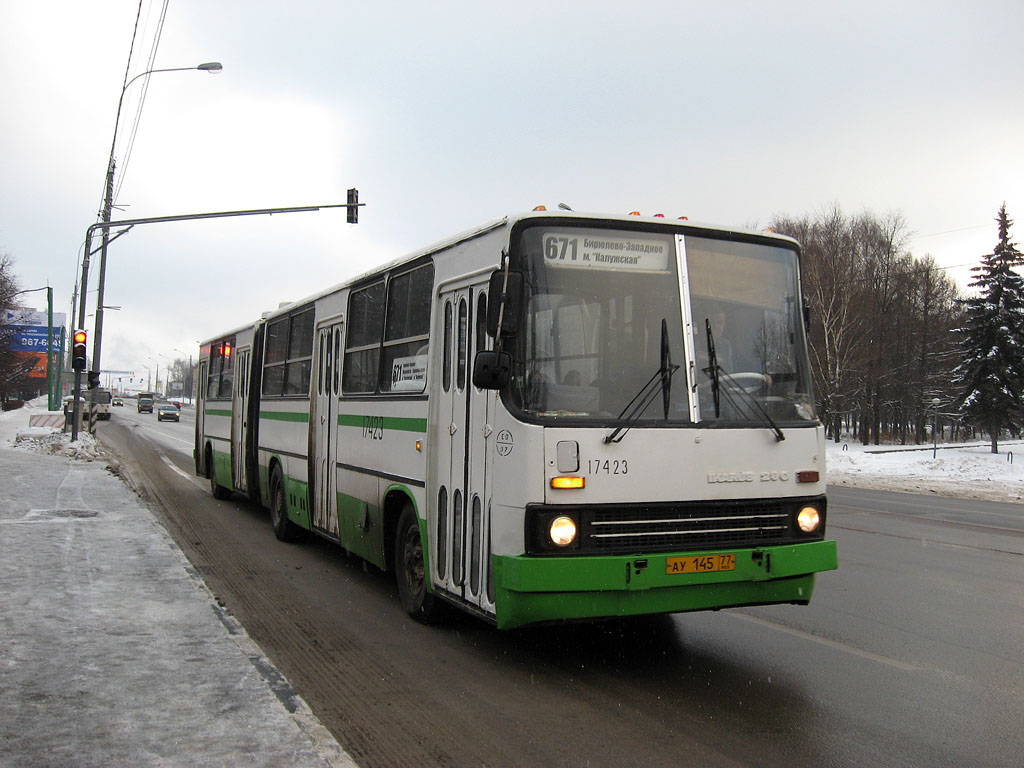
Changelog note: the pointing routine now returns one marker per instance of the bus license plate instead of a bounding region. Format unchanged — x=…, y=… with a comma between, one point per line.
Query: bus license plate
x=700, y=564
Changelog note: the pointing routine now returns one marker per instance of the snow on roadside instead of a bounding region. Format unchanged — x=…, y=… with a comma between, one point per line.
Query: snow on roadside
x=16, y=433
x=965, y=471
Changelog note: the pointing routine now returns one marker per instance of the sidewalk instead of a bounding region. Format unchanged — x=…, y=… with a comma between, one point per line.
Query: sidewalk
x=112, y=650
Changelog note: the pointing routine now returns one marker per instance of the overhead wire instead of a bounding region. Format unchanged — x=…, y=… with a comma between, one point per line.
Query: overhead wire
x=150, y=64
x=120, y=102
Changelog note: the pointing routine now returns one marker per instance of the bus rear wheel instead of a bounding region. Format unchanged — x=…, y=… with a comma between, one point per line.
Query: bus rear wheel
x=284, y=528
x=218, y=491
x=411, y=572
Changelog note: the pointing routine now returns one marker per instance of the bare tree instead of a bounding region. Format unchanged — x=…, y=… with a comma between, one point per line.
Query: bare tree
x=881, y=324
x=14, y=368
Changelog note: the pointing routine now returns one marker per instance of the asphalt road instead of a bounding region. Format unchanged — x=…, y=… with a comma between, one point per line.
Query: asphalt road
x=911, y=654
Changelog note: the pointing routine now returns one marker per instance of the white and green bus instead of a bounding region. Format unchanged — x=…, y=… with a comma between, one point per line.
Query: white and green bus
x=550, y=417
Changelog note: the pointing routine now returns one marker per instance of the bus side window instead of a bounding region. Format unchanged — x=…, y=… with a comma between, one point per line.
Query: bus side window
x=463, y=344
x=446, y=377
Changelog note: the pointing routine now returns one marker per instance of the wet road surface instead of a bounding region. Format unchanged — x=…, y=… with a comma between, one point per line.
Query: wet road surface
x=911, y=654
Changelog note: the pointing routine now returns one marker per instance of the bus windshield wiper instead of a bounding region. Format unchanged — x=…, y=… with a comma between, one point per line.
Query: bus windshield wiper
x=713, y=369
x=660, y=381
x=715, y=372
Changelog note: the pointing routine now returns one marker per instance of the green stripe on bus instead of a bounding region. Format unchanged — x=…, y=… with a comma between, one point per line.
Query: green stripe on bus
x=217, y=412
x=284, y=416
x=395, y=423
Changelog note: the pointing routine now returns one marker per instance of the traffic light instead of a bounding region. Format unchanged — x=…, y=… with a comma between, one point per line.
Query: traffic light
x=78, y=351
x=94, y=379
x=353, y=206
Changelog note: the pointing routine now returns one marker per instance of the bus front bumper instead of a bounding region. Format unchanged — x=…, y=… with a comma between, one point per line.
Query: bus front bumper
x=529, y=590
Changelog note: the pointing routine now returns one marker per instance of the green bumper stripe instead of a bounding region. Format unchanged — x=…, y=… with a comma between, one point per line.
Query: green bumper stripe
x=284, y=416
x=535, y=589
x=217, y=412
x=394, y=423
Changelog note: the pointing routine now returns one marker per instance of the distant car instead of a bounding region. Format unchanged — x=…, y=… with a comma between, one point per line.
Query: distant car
x=176, y=403
x=117, y=401
x=168, y=412
x=145, y=405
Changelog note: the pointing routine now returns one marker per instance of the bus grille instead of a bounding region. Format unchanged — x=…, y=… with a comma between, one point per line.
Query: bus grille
x=682, y=527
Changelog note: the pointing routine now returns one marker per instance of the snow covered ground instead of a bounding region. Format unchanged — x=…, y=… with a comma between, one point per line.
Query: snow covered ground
x=15, y=432
x=962, y=471
x=967, y=471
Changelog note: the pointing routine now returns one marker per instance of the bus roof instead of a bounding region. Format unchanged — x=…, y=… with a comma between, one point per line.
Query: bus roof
x=508, y=220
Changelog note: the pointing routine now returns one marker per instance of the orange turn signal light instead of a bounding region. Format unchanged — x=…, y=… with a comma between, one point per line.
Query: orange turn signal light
x=567, y=483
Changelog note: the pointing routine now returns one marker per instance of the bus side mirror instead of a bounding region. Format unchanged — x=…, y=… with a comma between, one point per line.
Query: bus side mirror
x=491, y=370
x=510, y=298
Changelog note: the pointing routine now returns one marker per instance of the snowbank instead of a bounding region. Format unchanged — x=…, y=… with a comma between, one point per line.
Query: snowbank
x=15, y=433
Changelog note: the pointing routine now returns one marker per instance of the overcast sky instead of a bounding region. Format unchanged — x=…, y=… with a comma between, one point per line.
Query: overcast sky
x=448, y=114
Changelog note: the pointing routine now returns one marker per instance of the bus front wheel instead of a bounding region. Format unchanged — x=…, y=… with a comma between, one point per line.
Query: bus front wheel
x=411, y=572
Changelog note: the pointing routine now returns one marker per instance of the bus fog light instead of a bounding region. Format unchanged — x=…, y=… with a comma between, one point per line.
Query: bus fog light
x=808, y=519
x=562, y=531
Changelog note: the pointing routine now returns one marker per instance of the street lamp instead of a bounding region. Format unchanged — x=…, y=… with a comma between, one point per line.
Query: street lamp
x=213, y=67
x=167, y=372
x=935, y=421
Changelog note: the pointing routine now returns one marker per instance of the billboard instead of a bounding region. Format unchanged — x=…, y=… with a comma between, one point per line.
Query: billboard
x=29, y=340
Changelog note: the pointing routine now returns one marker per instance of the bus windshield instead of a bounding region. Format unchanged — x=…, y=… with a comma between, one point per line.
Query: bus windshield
x=621, y=324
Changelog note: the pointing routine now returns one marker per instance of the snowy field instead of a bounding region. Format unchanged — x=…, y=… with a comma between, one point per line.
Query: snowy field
x=969, y=471
x=964, y=471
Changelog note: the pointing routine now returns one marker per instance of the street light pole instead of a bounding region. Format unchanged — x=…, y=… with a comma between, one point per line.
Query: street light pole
x=213, y=67
x=167, y=372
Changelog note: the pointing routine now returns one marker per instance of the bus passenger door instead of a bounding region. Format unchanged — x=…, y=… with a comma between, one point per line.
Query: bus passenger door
x=324, y=428
x=200, y=403
x=240, y=417
x=462, y=529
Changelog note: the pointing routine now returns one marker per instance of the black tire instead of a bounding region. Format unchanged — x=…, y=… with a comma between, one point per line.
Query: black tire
x=284, y=528
x=218, y=491
x=410, y=571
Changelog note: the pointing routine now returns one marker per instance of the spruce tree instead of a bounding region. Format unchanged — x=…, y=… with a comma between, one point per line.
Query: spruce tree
x=990, y=378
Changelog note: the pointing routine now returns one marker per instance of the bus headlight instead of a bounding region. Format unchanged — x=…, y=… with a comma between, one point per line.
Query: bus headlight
x=808, y=519
x=562, y=531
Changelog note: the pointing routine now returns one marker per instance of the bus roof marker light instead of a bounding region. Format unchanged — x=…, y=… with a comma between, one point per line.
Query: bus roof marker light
x=567, y=483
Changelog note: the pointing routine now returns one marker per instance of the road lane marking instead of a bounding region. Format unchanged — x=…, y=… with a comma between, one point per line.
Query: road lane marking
x=829, y=643
x=183, y=473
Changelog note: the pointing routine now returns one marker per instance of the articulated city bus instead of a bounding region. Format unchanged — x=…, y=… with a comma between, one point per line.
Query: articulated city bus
x=550, y=417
